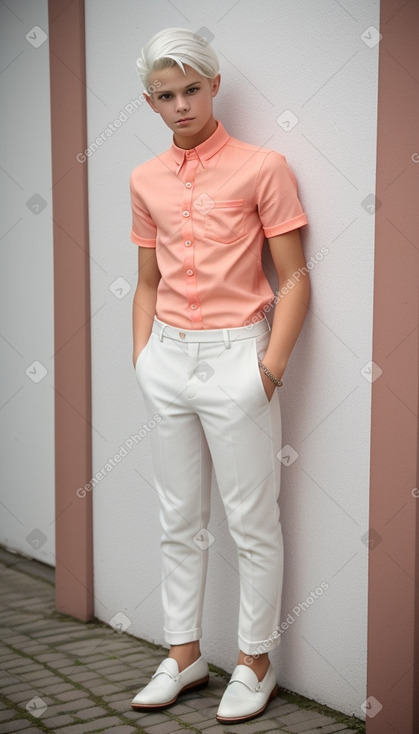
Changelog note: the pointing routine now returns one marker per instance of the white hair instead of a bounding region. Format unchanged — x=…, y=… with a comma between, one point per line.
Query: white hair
x=177, y=46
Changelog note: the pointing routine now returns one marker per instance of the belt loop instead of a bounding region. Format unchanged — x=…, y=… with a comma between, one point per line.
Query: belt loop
x=226, y=335
x=162, y=332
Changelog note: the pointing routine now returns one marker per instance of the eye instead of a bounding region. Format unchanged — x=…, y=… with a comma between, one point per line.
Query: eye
x=164, y=96
x=193, y=89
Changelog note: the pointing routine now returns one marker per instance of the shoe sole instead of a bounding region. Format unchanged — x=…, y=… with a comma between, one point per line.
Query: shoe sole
x=240, y=719
x=196, y=684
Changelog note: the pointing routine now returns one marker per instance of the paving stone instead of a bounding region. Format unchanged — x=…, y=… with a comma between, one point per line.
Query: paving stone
x=53, y=659
x=26, y=667
x=122, y=677
x=56, y=721
x=301, y=716
x=103, y=663
x=121, y=705
x=168, y=727
x=260, y=724
x=308, y=723
x=51, y=680
x=278, y=704
x=15, y=664
x=69, y=707
x=24, y=696
x=73, y=695
x=193, y=717
x=123, y=729
x=143, y=719
x=115, y=666
x=18, y=640
x=211, y=711
x=87, y=727
x=69, y=670
x=88, y=675
x=179, y=708
x=34, y=649
x=201, y=702
x=88, y=659
x=105, y=689
x=82, y=647
x=38, y=674
x=6, y=714
x=207, y=723
x=5, y=655
x=16, y=725
x=337, y=729
x=36, y=625
x=134, y=658
x=281, y=710
x=57, y=688
x=14, y=688
x=93, y=712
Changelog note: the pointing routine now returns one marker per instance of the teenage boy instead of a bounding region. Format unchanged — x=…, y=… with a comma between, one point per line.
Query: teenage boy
x=208, y=362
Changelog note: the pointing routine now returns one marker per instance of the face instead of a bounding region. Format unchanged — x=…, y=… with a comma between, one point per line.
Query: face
x=184, y=102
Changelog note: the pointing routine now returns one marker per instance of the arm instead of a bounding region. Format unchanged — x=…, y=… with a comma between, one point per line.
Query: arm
x=290, y=311
x=144, y=304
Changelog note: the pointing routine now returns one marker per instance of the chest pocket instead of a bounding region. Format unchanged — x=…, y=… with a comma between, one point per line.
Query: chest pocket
x=224, y=222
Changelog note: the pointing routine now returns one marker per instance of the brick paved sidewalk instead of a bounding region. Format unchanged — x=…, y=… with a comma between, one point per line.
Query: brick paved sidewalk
x=62, y=676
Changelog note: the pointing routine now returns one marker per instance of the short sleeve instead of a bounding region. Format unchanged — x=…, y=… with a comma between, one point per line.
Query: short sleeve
x=279, y=207
x=144, y=230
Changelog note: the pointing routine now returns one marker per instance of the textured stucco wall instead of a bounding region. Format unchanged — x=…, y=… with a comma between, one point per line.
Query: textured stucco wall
x=26, y=293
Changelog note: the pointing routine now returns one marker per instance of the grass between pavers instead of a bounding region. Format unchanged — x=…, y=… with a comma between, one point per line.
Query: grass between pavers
x=352, y=722
x=302, y=702
x=21, y=713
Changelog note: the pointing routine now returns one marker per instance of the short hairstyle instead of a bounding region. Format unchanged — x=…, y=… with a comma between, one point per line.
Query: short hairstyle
x=177, y=46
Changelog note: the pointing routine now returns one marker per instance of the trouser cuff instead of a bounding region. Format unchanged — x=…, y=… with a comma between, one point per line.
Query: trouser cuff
x=261, y=646
x=180, y=638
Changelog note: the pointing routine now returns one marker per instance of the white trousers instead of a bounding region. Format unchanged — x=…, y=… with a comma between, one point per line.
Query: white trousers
x=207, y=389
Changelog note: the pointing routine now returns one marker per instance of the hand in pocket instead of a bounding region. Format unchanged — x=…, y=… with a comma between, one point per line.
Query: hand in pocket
x=267, y=384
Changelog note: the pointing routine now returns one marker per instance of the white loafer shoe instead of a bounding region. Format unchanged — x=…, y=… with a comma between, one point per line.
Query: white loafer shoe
x=167, y=683
x=245, y=696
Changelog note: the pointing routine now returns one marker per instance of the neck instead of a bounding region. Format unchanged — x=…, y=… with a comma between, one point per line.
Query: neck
x=191, y=142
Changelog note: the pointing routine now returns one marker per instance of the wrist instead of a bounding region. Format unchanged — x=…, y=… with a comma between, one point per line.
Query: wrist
x=276, y=379
x=276, y=366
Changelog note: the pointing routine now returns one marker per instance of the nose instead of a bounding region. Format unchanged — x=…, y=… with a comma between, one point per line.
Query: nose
x=181, y=103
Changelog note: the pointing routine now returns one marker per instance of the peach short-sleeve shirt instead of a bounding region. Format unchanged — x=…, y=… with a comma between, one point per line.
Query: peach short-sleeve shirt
x=207, y=212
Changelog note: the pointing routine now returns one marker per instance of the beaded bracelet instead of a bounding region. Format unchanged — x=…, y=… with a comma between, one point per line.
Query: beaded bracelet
x=264, y=369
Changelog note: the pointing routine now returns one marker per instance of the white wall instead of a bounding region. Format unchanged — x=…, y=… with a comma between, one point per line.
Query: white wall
x=26, y=293
x=275, y=55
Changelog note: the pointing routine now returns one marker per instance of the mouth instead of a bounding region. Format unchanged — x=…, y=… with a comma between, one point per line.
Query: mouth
x=185, y=119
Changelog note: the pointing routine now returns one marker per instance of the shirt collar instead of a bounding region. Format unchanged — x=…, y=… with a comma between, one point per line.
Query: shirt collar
x=205, y=150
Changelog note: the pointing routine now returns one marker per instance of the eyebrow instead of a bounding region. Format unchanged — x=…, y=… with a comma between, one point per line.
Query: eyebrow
x=169, y=91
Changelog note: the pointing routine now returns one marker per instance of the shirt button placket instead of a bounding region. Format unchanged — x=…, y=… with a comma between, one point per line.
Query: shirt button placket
x=191, y=292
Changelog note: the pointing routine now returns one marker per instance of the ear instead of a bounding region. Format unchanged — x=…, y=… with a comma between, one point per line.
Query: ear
x=215, y=85
x=149, y=101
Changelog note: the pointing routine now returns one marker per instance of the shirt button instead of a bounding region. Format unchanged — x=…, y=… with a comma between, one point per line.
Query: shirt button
x=188, y=243
x=194, y=306
x=182, y=334
x=185, y=213
x=189, y=272
x=188, y=184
